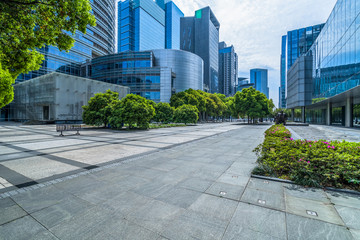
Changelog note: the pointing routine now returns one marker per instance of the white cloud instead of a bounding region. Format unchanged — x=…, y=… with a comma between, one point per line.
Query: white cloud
x=255, y=28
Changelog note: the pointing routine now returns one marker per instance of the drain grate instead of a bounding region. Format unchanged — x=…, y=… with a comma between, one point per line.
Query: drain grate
x=311, y=213
x=263, y=202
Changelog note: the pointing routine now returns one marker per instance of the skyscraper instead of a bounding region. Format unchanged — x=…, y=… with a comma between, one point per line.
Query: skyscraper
x=141, y=25
x=259, y=77
x=299, y=42
x=200, y=35
x=282, y=89
x=228, y=69
x=296, y=43
x=98, y=41
x=172, y=25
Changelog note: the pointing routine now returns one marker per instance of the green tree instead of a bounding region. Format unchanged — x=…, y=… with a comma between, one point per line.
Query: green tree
x=6, y=88
x=99, y=109
x=132, y=110
x=28, y=25
x=186, y=114
x=164, y=113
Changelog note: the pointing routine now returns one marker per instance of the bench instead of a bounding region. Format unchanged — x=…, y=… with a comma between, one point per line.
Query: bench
x=68, y=127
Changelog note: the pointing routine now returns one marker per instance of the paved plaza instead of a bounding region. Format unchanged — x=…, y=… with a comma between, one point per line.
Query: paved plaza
x=178, y=183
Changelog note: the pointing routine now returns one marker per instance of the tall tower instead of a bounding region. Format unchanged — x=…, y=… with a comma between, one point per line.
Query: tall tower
x=259, y=77
x=228, y=68
x=200, y=35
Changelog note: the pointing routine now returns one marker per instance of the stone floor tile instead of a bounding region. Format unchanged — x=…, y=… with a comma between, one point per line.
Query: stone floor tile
x=215, y=206
x=350, y=216
x=258, y=219
x=236, y=232
x=22, y=228
x=325, y=212
x=355, y=233
x=192, y=225
x=266, y=185
x=263, y=198
x=152, y=189
x=344, y=199
x=196, y=184
x=307, y=193
x=179, y=197
x=233, y=179
x=302, y=228
x=155, y=215
x=11, y=213
x=226, y=190
x=65, y=210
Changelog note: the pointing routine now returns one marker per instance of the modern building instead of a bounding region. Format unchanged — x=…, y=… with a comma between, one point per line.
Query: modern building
x=172, y=25
x=200, y=35
x=141, y=25
x=228, y=69
x=336, y=68
x=293, y=45
x=155, y=75
x=259, y=77
x=282, y=89
x=299, y=42
x=98, y=41
x=244, y=83
x=56, y=97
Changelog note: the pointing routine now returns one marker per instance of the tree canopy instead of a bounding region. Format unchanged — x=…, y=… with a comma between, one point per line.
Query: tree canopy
x=164, y=113
x=28, y=25
x=186, y=114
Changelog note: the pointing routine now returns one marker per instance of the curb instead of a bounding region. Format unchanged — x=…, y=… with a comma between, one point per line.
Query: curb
x=339, y=190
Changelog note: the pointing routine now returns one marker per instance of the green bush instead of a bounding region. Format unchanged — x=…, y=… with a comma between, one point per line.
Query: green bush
x=133, y=110
x=164, y=113
x=310, y=163
x=186, y=114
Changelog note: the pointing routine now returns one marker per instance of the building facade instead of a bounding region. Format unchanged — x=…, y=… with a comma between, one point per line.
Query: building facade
x=56, y=97
x=335, y=57
x=155, y=75
x=172, y=25
x=228, y=69
x=282, y=89
x=98, y=41
x=200, y=35
x=141, y=25
x=299, y=42
x=259, y=77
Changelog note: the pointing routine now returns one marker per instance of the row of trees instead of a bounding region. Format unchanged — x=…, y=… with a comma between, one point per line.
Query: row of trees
x=133, y=110
x=249, y=103
x=185, y=107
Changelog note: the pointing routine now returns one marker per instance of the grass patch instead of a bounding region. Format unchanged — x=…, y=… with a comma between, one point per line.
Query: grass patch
x=311, y=163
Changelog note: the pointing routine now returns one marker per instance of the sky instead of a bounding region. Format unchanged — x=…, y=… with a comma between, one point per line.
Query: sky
x=255, y=28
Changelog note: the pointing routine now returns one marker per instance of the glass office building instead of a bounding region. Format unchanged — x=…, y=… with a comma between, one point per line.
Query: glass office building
x=98, y=41
x=336, y=52
x=172, y=26
x=228, y=69
x=282, y=89
x=141, y=25
x=299, y=42
x=259, y=77
x=155, y=75
x=200, y=35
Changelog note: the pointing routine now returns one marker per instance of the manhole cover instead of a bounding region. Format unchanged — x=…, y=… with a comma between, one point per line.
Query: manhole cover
x=311, y=213
x=262, y=201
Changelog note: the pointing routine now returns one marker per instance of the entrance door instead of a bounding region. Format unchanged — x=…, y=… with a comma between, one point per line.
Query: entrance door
x=46, y=113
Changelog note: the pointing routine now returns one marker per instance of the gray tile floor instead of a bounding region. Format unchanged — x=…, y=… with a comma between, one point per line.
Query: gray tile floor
x=199, y=190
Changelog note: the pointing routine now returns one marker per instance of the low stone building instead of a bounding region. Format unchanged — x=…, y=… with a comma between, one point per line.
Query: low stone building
x=56, y=97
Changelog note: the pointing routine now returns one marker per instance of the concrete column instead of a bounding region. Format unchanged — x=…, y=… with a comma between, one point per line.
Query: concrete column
x=349, y=111
x=328, y=114
x=303, y=115
x=293, y=114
